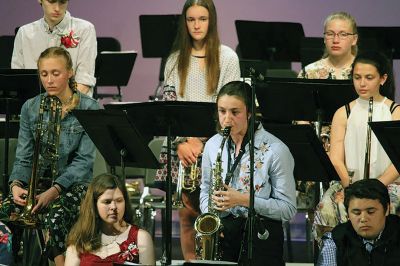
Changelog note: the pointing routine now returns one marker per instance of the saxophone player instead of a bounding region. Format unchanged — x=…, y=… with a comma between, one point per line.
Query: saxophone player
x=275, y=195
x=60, y=202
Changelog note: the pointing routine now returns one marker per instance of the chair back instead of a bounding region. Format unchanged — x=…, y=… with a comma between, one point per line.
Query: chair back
x=108, y=44
x=6, y=48
x=155, y=146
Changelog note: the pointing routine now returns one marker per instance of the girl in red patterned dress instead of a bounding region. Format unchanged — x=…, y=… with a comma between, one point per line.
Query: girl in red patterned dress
x=104, y=233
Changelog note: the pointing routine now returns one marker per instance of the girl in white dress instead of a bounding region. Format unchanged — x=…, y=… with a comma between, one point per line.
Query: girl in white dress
x=372, y=77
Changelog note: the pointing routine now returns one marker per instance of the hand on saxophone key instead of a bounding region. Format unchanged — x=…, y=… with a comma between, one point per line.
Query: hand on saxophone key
x=228, y=198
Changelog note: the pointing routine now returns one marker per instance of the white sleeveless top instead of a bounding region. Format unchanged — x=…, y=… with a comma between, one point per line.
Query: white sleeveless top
x=356, y=137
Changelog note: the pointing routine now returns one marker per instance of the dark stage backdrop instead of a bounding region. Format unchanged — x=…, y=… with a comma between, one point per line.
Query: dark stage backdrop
x=120, y=19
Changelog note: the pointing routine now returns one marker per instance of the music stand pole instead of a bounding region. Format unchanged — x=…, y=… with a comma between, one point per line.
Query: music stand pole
x=251, y=214
x=166, y=257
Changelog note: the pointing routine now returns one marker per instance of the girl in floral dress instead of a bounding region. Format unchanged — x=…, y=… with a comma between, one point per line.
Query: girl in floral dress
x=340, y=39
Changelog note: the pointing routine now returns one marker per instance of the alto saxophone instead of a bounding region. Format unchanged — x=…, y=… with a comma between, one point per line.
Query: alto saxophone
x=208, y=225
x=47, y=138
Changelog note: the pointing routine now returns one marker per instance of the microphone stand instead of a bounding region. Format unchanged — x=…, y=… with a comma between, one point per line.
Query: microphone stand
x=251, y=213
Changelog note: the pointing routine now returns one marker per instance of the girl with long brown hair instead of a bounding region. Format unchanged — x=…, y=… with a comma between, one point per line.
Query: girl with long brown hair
x=104, y=233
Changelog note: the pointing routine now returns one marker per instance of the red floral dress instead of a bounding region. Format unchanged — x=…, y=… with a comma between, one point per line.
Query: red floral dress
x=129, y=252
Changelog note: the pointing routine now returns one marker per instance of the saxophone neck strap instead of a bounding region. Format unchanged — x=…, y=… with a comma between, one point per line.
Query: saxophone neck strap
x=231, y=169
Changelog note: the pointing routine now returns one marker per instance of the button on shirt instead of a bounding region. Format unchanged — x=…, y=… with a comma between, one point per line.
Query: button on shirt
x=275, y=194
x=33, y=38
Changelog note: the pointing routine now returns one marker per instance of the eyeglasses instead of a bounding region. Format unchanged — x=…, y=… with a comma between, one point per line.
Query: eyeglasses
x=342, y=35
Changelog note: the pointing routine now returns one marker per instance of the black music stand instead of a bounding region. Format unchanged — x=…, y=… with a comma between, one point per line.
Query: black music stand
x=113, y=68
x=272, y=41
x=312, y=162
x=16, y=86
x=388, y=133
x=157, y=34
x=285, y=100
x=311, y=50
x=169, y=119
x=288, y=99
x=260, y=66
x=117, y=138
x=385, y=38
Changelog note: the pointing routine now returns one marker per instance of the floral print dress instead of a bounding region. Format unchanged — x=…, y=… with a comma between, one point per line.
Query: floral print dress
x=322, y=70
x=6, y=256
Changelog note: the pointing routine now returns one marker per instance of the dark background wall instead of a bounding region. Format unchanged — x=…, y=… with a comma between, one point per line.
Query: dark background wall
x=120, y=19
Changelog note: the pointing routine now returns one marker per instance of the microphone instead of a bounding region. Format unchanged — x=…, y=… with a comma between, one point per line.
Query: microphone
x=262, y=233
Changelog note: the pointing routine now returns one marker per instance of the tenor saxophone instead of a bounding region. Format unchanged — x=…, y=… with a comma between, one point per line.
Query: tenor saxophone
x=208, y=225
x=47, y=136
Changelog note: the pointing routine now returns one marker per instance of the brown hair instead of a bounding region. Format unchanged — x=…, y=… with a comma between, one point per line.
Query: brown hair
x=350, y=19
x=239, y=89
x=183, y=45
x=85, y=235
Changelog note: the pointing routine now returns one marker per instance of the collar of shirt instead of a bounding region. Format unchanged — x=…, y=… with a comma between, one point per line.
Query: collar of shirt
x=60, y=27
x=370, y=244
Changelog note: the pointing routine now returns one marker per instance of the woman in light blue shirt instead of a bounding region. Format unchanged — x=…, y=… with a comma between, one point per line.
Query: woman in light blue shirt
x=275, y=195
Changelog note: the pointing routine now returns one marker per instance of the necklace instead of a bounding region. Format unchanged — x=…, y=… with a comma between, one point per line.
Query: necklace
x=107, y=240
x=199, y=56
x=68, y=102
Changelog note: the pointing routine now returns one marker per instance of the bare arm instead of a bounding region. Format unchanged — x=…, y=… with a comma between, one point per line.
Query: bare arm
x=146, y=248
x=83, y=88
x=72, y=257
x=336, y=154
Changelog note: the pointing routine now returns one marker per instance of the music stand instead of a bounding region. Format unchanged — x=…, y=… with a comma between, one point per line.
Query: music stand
x=169, y=119
x=16, y=86
x=157, y=35
x=260, y=66
x=387, y=133
x=288, y=99
x=312, y=162
x=311, y=50
x=386, y=38
x=117, y=138
x=272, y=41
x=113, y=68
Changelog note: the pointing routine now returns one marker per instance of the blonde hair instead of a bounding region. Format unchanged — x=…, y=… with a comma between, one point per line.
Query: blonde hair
x=55, y=51
x=346, y=17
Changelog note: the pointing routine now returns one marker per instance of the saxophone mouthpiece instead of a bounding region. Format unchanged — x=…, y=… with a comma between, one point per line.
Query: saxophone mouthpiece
x=226, y=131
